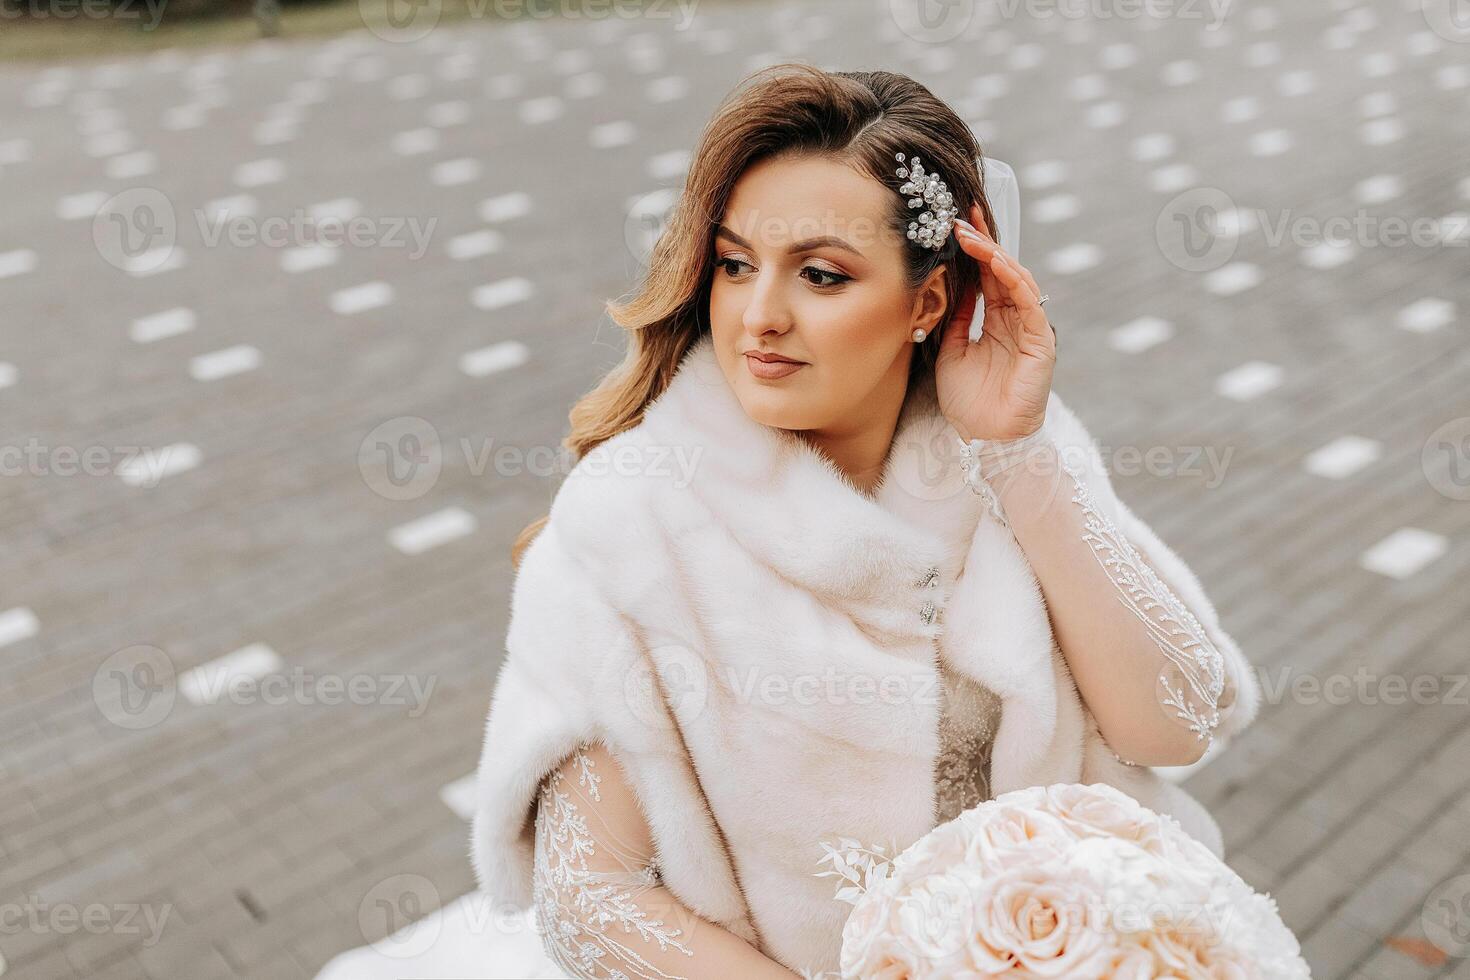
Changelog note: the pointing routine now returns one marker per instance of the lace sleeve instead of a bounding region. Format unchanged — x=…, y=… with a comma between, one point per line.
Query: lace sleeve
x=1192, y=680
x=603, y=909
x=1191, y=683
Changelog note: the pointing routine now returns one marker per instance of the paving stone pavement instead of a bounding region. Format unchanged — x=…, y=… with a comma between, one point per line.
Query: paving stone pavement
x=169, y=813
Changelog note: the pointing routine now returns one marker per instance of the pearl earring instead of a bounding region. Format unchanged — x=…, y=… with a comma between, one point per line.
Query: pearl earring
x=919, y=334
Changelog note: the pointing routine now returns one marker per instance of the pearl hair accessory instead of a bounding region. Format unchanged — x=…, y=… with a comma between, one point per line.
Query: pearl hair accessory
x=932, y=228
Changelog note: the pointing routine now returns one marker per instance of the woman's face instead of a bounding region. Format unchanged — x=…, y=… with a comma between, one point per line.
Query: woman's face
x=805, y=267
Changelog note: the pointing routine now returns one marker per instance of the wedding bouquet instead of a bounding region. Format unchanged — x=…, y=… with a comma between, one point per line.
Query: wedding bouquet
x=1066, y=882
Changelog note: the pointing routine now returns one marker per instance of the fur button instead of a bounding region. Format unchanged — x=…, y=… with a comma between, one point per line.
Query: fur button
x=929, y=581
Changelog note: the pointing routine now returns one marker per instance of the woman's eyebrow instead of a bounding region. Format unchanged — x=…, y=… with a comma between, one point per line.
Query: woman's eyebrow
x=804, y=245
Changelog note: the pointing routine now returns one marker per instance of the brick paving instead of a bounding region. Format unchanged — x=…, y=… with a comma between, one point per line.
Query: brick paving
x=253, y=828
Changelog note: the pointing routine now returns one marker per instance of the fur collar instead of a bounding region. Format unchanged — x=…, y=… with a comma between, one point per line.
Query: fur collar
x=787, y=503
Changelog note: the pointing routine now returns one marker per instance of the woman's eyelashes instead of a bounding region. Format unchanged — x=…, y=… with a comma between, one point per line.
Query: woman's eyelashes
x=831, y=279
x=820, y=278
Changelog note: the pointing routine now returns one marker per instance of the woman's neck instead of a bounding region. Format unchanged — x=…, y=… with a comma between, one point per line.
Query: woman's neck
x=858, y=460
x=860, y=451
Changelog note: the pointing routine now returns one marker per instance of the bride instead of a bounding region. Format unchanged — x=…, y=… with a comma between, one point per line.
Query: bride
x=836, y=562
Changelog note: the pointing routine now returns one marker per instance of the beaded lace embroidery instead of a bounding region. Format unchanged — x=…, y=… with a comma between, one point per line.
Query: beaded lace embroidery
x=966, y=737
x=1193, y=677
x=577, y=905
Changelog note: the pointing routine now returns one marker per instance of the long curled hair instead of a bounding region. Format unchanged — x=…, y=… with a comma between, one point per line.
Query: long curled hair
x=861, y=119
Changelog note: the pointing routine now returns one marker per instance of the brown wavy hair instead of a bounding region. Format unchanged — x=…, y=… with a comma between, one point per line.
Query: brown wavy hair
x=862, y=119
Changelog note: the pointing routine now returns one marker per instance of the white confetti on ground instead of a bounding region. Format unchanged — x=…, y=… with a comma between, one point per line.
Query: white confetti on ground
x=1404, y=552
x=1342, y=457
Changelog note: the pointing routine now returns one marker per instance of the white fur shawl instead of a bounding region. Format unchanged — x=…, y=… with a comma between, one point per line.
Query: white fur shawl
x=719, y=604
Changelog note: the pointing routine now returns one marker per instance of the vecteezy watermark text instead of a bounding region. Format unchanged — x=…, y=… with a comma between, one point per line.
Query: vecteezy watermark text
x=406, y=21
x=300, y=230
x=37, y=916
x=88, y=9
x=402, y=458
x=1363, y=686
x=1200, y=229
x=140, y=465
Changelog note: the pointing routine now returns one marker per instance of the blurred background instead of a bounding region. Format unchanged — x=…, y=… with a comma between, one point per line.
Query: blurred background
x=295, y=297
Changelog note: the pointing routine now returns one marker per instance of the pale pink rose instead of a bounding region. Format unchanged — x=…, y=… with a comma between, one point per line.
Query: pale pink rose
x=1233, y=965
x=942, y=848
x=1200, y=949
x=1097, y=809
x=1180, y=953
x=865, y=923
x=935, y=916
x=1132, y=962
x=1167, y=843
x=1142, y=893
x=1044, y=919
x=887, y=957
x=1008, y=828
x=1184, y=849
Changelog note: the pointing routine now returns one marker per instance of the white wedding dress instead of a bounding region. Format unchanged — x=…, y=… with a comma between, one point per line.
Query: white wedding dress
x=467, y=939
x=464, y=940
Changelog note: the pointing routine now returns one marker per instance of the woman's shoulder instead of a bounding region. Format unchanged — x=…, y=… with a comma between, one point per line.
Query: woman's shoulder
x=608, y=506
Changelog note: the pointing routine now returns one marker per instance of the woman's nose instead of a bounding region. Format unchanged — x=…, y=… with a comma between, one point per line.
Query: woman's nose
x=766, y=309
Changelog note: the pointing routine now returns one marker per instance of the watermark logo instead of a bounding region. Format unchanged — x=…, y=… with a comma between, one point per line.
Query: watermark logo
x=1450, y=19
x=400, y=21
x=1446, y=916
x=1194, y=232
x=139, y=466
x=932, y=21
x=1363, y=687
x=675, y=465
x=647, y=218
x=86, y=9
x=220, y=682
x=1199, y=229
x=927, y=464
x=756, y=685
x=135, y=687
x=301, y=229
x=136, y=230
x=936, y=916
x=1445, y=459
x=680, y=11
x=406, y=21
x=393, y=916
x=401, y=459
x=1213, y=12
x=672, y=679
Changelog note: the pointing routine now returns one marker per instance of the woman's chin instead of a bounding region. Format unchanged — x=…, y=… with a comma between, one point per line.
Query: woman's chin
x=777, y=409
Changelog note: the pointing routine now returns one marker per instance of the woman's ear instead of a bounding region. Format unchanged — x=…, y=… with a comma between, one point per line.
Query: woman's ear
x=931, y=301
